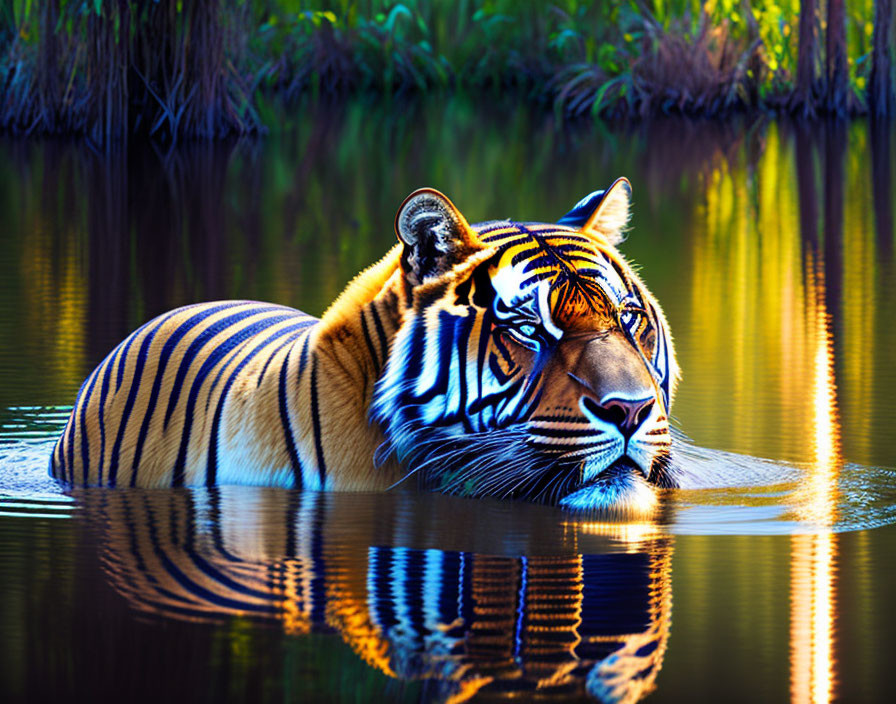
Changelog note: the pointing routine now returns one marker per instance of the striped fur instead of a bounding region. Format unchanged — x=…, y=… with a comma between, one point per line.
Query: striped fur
x=481, y=359
x=231, y=392
x=563, y=625
x=156, y=403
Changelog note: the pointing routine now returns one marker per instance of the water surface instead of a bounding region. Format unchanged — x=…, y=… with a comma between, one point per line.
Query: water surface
x=771, y=248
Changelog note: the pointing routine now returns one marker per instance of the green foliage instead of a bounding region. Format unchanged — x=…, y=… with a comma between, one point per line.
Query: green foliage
x=106, y=67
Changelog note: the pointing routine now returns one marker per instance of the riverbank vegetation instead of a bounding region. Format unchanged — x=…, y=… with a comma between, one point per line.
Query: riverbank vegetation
x=171, y=69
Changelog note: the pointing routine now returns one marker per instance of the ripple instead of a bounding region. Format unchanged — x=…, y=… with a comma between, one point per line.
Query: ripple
x=723, y=493
x=728, y=493
x=27, y=436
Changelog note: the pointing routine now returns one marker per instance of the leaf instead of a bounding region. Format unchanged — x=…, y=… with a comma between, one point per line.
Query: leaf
x=398, y=11
x=599, y=96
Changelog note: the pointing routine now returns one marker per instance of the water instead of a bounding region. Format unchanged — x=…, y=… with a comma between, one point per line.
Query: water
x=770, y=577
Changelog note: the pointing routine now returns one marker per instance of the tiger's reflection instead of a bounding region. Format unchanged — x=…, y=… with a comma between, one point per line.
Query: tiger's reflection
x=514, y=599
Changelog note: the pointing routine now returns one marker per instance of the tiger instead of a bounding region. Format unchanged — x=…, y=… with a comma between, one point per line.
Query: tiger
x=569, y=611
x=521, y=360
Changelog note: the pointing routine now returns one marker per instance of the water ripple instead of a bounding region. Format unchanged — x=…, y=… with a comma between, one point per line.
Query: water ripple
x=724, y=493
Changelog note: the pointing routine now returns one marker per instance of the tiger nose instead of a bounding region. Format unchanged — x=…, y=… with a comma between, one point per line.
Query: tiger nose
x=625, y=414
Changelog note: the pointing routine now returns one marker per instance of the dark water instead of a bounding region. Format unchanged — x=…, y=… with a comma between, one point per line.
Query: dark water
x=772, y=250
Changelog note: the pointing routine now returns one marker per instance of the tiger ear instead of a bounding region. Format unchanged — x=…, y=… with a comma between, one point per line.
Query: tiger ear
x=434, y=233
x=602, y=214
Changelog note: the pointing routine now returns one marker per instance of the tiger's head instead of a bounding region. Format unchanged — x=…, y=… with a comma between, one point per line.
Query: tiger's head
x=531, y=361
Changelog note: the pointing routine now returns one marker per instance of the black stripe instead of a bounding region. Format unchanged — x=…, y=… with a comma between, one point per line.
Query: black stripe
x=564, y=432
x=494, y=368
x=85, y=443
x=303, y=357
x=482, y=355
x=535, y=278
x=666, y=381
x=273, y=354
x=507, y=240
x=104, y=395
x=211, y=468
x=381, y=333
x=462, y=334
x=547, y=261
x=303, y=323
x=534, y=249
x=309, y=321
x=55, y=463
x=104, y=368
x=532, y=393
x=284, y=421
x=211, y=361
x=198, y=344
x=439, y=386
x=68, y=437
x=164, y=357
x=62, y=449
x=369, y=340
x=234, y=353
x=127, y=346
x=132, y=398
x=315, y=418
x=494, y=399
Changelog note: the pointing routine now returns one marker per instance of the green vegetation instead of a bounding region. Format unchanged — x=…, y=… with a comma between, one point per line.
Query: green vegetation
x=107, y=68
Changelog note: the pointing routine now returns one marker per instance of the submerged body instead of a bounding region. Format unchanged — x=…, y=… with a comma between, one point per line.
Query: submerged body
x=227, y=392
x=230, y=361
x=510, y=359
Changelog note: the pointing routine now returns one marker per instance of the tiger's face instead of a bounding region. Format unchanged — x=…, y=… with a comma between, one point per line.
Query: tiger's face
x=531, y=361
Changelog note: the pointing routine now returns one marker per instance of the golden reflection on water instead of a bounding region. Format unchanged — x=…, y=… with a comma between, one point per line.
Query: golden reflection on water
x=632, y=535
x=780, y=269
x=814, y=556
x=745, y=350
x=55, y=289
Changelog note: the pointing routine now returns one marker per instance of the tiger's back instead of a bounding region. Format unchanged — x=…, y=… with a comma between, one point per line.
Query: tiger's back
x=169, y=386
